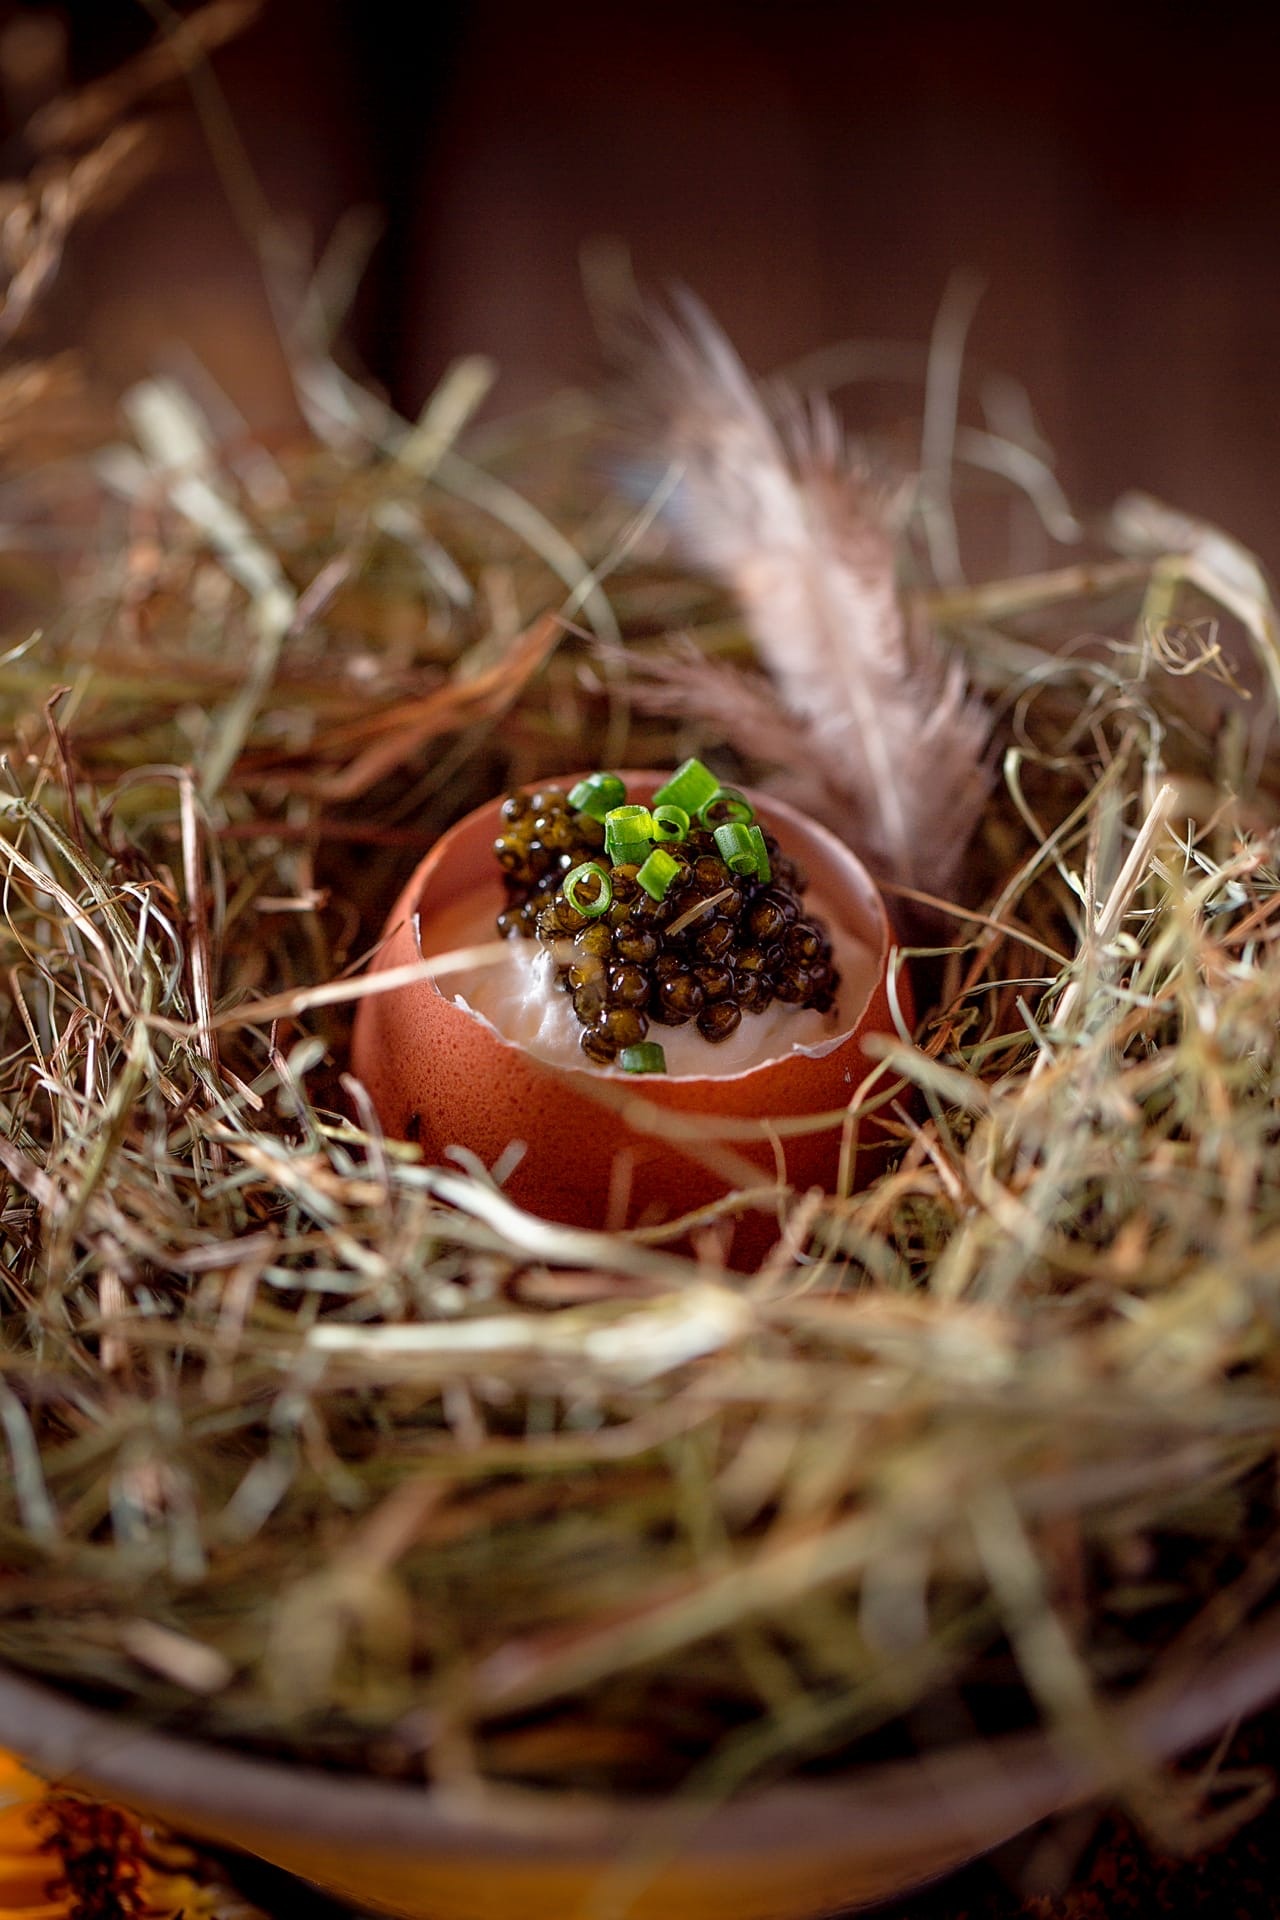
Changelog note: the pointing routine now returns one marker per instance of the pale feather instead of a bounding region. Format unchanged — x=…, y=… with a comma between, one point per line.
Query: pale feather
x=771, y=502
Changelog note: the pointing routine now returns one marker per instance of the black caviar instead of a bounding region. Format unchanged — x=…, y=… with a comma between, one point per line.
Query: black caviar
x=718, y=945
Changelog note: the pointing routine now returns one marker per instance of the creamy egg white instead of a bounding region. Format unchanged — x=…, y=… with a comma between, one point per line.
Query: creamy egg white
x=514, y=992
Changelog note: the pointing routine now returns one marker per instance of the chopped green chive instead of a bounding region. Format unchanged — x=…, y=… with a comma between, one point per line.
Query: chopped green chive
x=628, y=853
x=670, y=823
x=690, y=787
x=648, y=1057
x=597, y=794
x=725, y=805
x=763, y=870
x=588, y=889
x=733, y=843
x=628, y=828
x=657, y=873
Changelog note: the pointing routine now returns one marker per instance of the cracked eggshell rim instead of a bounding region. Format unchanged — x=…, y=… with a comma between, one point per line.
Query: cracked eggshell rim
x=593, y=1156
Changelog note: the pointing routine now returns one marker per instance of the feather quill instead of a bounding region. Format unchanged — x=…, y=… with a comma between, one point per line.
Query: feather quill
x=878, y=728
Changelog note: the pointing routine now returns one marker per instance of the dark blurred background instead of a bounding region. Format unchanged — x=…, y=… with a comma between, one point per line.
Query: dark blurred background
x=815, y=171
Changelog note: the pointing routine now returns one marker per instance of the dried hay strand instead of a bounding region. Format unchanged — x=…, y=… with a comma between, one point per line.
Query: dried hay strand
x=323, y=1452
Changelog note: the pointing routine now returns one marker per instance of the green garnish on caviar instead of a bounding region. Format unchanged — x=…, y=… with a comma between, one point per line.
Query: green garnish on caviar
x=685, y=910
x=690, y=786
x=596, y=794
x=726, y=804
x=657, y=873
x=648, y=1057
x=588, y=890
x=670, y=823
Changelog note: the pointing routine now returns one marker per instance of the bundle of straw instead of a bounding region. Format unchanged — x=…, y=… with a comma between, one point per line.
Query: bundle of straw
x=995, y=1438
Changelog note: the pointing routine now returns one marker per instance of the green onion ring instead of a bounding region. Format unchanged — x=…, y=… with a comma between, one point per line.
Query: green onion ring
x=627, y=853
x=726, y=807
x=647, y=1057
x=690, y=787
x=634, y=823
x=597, y=794
x=671, y=823
x=763, y=870
x=657, y=873
x=733, y=844
x=589, y=870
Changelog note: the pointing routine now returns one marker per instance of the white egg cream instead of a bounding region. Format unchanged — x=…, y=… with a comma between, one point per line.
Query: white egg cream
x=514, y=992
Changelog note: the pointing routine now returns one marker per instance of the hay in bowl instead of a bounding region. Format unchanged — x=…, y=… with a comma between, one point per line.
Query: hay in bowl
x=318, y=1453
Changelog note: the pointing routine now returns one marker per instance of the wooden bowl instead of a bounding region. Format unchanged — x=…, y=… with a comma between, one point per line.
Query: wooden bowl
x=788, y=1853
x=604, y=1148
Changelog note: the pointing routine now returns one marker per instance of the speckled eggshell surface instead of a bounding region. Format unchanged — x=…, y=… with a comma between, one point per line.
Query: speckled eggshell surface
x=440, y=1075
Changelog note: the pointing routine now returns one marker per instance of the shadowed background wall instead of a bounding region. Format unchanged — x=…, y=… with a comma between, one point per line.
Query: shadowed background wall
x=815, y=171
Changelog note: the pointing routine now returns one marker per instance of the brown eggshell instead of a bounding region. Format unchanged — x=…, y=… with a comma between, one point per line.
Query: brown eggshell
x=438, y=1074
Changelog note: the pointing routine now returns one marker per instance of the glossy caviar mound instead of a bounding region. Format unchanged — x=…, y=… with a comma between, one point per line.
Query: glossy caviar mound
x=716, y=945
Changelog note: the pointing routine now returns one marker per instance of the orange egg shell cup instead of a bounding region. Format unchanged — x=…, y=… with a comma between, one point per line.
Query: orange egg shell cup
x=594, y=1156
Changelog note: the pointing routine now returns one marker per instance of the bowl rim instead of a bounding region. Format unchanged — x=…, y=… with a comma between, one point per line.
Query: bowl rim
x=976, y=1794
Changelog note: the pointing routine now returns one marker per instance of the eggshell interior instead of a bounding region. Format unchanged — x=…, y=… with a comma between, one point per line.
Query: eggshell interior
x=606, y=1148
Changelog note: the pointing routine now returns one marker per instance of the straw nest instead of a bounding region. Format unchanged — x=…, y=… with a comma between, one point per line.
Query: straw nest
x=992, y=1438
